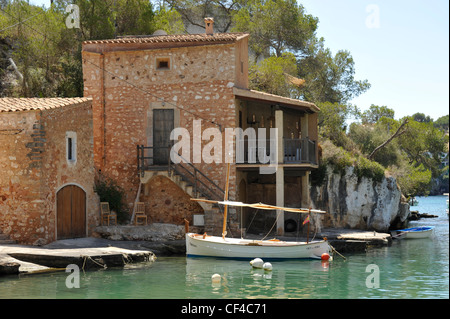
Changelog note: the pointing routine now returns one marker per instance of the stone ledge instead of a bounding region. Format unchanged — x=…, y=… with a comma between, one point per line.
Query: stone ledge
x=8, y=267
x=156, y=232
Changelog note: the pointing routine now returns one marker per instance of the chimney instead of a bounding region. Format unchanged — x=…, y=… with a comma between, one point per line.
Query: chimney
x=209, y=26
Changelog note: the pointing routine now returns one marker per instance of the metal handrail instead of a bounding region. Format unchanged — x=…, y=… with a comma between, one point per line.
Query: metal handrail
x=194, y=176
x=191, y=174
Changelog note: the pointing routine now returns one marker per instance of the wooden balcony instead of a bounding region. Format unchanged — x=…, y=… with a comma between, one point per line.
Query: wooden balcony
x=297, y=152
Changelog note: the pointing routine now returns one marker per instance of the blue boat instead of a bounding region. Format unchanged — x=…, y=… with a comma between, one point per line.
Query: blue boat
x=415, y=232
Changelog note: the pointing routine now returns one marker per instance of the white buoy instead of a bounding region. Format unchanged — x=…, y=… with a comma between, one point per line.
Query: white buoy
x=267, y=266
x=257, y=263
x=216, y=278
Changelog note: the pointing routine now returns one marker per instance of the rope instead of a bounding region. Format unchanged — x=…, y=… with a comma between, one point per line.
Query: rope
x=253, y=218
x=334, y=250
x=85, y=258
x=276, y=220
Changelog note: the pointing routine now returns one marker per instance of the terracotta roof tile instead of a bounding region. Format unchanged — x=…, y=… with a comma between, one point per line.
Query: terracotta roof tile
x=27, y=104
x=174, y=38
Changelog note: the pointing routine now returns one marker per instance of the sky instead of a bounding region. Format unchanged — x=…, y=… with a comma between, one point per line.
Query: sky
x=401, y=47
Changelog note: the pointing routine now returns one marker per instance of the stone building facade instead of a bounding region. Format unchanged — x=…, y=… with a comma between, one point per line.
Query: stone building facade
x=144, y=87
x=46, y=169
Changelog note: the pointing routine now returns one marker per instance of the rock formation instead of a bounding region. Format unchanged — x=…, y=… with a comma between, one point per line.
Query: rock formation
x=360, y=203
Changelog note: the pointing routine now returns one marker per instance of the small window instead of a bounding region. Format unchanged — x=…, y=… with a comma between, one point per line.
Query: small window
x=163, y=63
x=71, y=147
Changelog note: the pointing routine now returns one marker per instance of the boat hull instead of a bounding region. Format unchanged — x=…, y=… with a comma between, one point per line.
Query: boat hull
x=214, y=246
x=416, y=232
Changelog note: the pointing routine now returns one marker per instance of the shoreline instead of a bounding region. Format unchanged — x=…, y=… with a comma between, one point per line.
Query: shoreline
x=71, y=250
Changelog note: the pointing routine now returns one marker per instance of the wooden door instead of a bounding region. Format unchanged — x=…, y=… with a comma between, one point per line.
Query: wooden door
x=71, y=212
x=162, y=127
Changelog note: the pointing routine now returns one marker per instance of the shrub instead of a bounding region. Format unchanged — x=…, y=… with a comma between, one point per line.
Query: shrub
x=108, y=191
x=339, y=159
x=369, y=169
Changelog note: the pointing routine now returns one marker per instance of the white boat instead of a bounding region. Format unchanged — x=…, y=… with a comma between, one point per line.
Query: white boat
x=415, y=232
x=216, y=246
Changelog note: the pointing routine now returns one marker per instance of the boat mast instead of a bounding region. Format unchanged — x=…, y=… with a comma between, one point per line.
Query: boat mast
x=225, y=210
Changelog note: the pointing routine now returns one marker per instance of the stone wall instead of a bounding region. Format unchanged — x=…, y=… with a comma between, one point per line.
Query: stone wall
x=20, y=174
x=198, y=86
x=33, y=168
x=58, y=172
x=167, y=202
x=360, y=204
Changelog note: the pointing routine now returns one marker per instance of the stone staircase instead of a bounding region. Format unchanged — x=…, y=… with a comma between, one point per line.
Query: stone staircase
x=5, y=239
x=193, y=182
x=212, y=213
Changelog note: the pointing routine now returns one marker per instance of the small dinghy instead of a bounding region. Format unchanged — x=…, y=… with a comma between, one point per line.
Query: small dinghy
x=415, y=232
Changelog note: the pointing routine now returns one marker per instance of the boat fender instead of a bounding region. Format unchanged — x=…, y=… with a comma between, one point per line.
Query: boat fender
x=216, y=278
x=325, y=256
x=267, y=266
x=257, y=263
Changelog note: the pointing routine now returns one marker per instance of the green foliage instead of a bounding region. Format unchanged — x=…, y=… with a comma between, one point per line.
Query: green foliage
x=369, y=169
x=276, y=26
x=375, y=113
x=367, y=137
x=442, y=123
x=332, y=121
x=413, y=157
x=108, y=191
x=424, y=144
x=413, y=180
x=328, y=78
x=339, y=159
x=48, y=54
x=270, y=75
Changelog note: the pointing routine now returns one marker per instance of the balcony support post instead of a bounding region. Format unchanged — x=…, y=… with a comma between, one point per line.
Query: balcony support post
x=280, y=172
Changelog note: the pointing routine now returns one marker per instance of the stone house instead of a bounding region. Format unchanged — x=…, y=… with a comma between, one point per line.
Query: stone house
x=144, y=87
x=46, y=169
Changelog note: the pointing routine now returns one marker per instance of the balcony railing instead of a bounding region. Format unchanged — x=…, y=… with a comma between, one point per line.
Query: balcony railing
x=296, y=151
x=300, y=151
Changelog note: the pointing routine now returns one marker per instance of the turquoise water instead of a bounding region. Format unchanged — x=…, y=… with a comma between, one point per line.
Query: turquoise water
x=408, y=269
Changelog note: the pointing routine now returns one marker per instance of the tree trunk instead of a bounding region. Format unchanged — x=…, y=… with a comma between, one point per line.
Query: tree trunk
x=396, y=134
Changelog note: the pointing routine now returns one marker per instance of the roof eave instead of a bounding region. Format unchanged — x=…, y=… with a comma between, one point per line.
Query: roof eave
x=274, y=99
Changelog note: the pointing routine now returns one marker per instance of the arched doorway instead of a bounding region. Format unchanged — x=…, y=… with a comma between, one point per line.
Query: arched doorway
x=71, y=212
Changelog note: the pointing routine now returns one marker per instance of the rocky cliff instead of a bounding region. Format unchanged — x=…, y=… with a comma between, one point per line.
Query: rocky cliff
x=360, y=203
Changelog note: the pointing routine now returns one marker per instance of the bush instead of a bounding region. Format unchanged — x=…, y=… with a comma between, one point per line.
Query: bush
x=369, y=169
x=339, y=159
x=108, y=191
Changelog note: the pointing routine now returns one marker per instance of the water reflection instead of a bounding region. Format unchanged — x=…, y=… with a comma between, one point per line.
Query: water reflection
x=239, y=279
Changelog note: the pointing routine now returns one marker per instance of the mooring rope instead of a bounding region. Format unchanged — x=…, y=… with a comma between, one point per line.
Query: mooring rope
x=334, y=250
x=85, y=258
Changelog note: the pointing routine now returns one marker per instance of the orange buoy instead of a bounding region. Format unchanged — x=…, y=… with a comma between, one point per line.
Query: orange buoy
x=325, y=256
